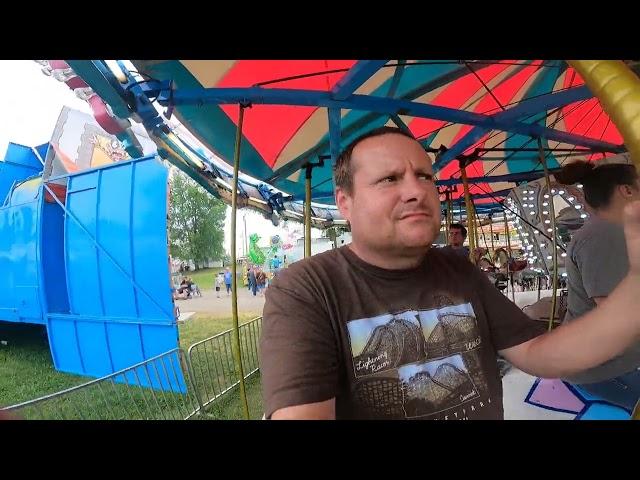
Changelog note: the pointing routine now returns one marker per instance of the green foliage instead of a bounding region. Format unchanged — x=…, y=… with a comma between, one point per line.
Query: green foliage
x=196, y=222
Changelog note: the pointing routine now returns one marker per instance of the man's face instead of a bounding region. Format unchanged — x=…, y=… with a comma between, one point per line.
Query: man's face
x=394, y=203
x=455, y=237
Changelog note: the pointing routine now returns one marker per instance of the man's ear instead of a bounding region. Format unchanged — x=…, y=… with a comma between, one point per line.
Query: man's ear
x=343, y=202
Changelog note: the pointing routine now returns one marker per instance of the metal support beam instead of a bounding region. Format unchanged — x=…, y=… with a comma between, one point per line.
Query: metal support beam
x=554, y=236
x=508, y=235
x=334, y=133
x=355, y=77
x=307, y=212
x=389, y=106
x=526, y=107
x=470, y=214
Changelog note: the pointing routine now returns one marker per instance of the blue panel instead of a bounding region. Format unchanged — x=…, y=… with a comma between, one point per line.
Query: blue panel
x=81, y=253
x=150, y=247
x=64, y=345
x=604, y=411
x=158, y=339
x=94, y=349
x=11, y=174
x=23, y=155
x=116, y=263
x=130, y=228
x=114, y=232
x=42, y=150
x=52, y=258
x=126, y=345
x=19, y=279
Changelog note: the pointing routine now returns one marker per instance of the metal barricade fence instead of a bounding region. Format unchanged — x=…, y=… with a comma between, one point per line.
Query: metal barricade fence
x=170, y=386
x=212, y=361
x=156, y=389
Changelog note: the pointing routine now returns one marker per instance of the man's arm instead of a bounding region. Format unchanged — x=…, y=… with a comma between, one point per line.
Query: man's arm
x=599, y=335
x=310, y=411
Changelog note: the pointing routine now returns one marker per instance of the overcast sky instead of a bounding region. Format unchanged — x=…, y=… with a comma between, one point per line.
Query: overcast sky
x=30, y=103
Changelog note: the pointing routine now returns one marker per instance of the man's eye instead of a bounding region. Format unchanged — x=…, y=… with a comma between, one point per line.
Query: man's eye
x=425, y=176
x=389, y=179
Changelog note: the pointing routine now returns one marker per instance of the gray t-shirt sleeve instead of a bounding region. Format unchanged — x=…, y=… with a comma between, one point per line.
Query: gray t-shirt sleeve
x=602, y=261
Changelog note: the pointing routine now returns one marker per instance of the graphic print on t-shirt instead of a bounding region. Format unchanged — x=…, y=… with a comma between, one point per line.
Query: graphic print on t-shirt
x=432, y=387
x=385, y=342
x=417, y=362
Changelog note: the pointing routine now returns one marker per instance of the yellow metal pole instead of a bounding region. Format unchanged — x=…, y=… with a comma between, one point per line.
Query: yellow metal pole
x=447, y=218
x=493, y=248
x=554, y=275
x=618, y=90
x=450, y=210
x=508, y=235
x=237, y=353
x=307, y=212
x=470, y=214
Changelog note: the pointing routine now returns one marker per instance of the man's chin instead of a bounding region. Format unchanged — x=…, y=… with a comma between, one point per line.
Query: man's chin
x=417, y=237
x=422, y=241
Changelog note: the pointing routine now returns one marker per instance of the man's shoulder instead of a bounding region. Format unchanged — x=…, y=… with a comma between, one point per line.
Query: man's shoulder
x=320, y=260
x=319, y=266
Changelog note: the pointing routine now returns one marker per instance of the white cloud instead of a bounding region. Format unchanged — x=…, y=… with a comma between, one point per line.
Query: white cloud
x=30, y=103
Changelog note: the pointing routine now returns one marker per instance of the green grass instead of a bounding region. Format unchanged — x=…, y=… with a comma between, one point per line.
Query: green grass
x=202, y=325
x=26, y=367
x=26, y=372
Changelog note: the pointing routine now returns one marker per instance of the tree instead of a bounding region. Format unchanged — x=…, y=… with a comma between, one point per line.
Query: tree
x=332, y=233
x=196, y=222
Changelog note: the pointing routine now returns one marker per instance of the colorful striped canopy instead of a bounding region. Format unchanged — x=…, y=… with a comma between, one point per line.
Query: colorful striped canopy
x=301, y=111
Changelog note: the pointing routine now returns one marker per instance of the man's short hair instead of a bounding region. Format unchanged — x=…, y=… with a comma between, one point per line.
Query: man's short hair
x=343, y=168
x=459, y=227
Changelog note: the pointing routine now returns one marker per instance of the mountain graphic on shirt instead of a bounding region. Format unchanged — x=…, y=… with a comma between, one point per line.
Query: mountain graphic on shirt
x=395, y=343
